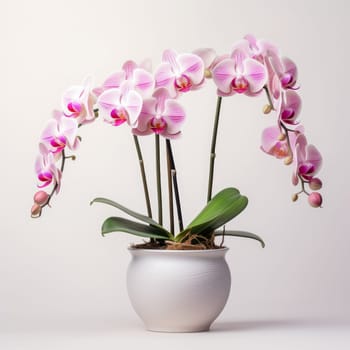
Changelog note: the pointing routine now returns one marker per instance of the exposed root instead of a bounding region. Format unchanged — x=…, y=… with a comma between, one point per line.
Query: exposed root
x=189, y=242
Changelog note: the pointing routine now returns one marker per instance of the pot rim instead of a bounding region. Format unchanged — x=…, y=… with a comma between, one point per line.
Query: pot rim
x=177, y=252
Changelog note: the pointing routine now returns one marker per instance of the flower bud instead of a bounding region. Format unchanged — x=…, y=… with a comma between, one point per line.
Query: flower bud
x=288, y=160
x=267, y=109
x=315, y=184
x=281, y=137
x=41, y=197
x=207, y=73
x=36, y=210
x=295, y=197
x=315, y=199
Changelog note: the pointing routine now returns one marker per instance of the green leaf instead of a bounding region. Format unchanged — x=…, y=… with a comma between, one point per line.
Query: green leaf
x=227, y=204
x=117, y=224
x=244, y=234
x=128, y=211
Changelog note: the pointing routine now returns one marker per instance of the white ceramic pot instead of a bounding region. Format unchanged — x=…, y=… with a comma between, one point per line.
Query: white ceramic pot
x=178, y=290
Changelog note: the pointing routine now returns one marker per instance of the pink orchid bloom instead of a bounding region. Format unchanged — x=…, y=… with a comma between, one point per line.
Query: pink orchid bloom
x=60, y=132
x=46, y=169
x=286, y=70
x=78, y=102
x=141, y=79
x=309, y=159
x=290, y=108
x=239, y=74
x=180, y=72
x=160, y=115
x=270, y=143
x=120, y=105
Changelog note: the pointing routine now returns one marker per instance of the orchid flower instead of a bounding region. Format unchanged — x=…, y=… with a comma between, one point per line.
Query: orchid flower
x=272, y=143
x=46, y=169
x=78, y=102
x=289, y=108
x=309, y=159
x=259, y=49
x=60, y=132
x=180, y=72
x=120, y=105
x=160, y=115
x=239, y=74
x=286, y=70
x=142, y=80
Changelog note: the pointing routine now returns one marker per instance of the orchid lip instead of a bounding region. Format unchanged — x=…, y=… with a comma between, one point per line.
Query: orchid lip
x=74, y=107
x=158, y=125
x=183, y=83
x=240, y=85
x=119, y=116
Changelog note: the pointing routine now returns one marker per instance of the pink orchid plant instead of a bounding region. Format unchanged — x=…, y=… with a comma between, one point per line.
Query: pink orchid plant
x=149, y=104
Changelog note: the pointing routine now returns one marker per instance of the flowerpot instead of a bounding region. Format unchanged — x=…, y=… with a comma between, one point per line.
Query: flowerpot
x=178, y=290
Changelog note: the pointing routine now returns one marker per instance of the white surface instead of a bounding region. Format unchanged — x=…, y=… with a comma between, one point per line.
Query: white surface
x=59, y=268
x=243, y=335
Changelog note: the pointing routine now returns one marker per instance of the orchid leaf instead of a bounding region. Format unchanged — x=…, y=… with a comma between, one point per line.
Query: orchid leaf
x=227, y=204
x=117, y=224
x=128, y=211
x=243, y=234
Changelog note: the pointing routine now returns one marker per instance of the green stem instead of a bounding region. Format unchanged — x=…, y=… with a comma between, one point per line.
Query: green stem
x=170, y=191
x=143, y=175
x=268, y=96
x=213, y=147
x=176, y=188
x=159, y=183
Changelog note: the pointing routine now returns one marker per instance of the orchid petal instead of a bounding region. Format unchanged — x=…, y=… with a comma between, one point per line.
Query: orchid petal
x=128, y=68
x=174, y=115
x=269, y=138
x=290, y=67
x=255, y=73
x=143, y=80
x=170, y=56
x=223, y=74
x=207, y=55
x=69, y=128
x=192, y=66
x=114, y=80
x=314, y=157
x=133, y=105
x=109, y=98
x=50, y=129
x=161, y=95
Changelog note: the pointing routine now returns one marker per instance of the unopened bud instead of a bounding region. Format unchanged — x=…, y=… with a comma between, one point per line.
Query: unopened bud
x=295, y=197
x=36, y=210
x=315, y=184
x=288, y=160
x=281, y=137
x=267, y=109
x=315, y=199
x=41, y=197
x=207, y=73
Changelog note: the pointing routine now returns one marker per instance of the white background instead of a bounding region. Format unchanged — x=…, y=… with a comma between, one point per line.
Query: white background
x=58, y=274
